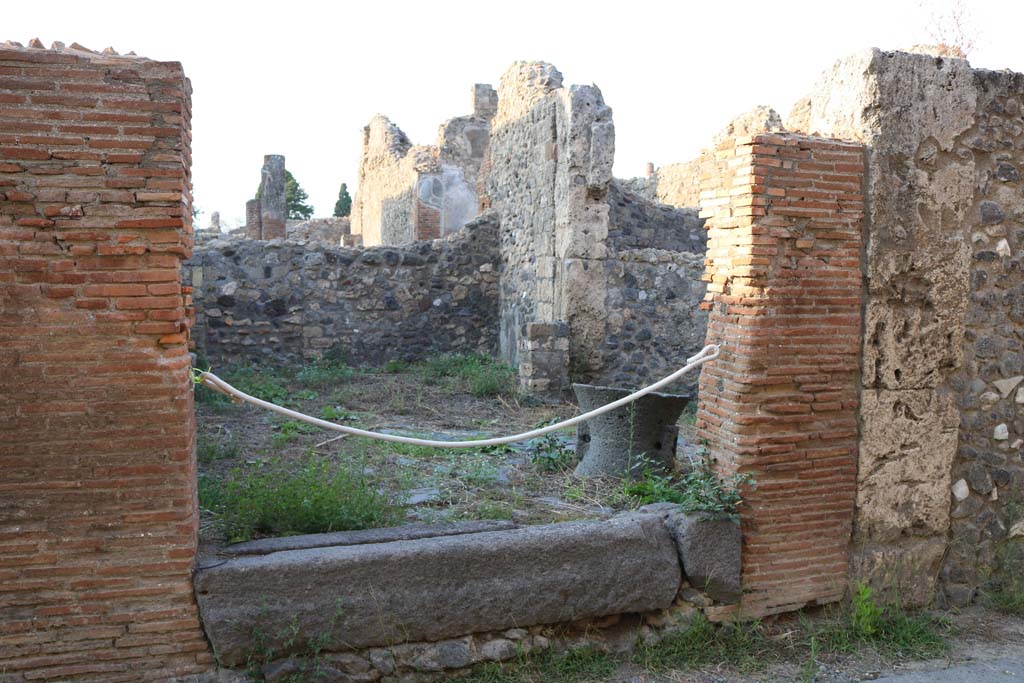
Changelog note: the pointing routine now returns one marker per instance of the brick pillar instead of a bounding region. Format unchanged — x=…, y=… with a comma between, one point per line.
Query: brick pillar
x=98, y=512
x=252, y=220
x=273, y=205
x=784, y=295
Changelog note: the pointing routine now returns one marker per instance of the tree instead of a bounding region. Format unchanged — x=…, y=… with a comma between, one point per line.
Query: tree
x=294, y=198
x=343, y=206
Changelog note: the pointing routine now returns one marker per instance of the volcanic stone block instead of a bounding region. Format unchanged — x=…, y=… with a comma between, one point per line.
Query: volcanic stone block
x=430, y=589
x=624, y=441
x=710, y=551
x=273, y=207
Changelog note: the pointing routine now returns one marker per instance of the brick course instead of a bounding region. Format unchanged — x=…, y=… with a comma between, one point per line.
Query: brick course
x=98, y=512
x=784, y=216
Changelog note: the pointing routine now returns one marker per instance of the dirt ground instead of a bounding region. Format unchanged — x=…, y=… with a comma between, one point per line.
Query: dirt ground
x=975, y=635
x=528, y=483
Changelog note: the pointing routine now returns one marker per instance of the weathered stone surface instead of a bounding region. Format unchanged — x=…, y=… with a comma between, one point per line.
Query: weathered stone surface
x=289, y=302
x=626, y=441
x=273, y=208
x=406, y=532
x=431, y=589
x=710, y=551
x=907, y=447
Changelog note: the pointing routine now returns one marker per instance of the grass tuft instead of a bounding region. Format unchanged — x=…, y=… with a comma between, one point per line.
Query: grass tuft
x=278, y=499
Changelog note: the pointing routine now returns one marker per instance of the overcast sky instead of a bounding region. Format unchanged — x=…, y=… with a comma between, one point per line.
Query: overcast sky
x=302, y=78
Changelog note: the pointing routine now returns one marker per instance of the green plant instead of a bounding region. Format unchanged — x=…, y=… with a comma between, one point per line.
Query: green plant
x=704, y=491
x=582, y=665
x=889, y=629
x=324, y=372
x=479, y=374
x=343, y=206
x=396, y=366
x=337, y=414
x=263, y=382
x=741, y=645
x=548, y=454
x=303, y=654
x=312, y=496
x=210, y=449
x=288, y=431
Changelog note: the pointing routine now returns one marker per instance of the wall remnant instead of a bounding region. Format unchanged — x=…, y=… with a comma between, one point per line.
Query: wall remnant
x=98, y=515
x=577, y=248
x=267, y=213
x=288, y=302
x=940, y=471
x=784, y=216
x=408, y=193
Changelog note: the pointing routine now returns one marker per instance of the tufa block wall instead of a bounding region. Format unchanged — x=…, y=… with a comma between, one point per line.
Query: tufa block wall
x=941, y=469
x=784, y=218
x=98, y=514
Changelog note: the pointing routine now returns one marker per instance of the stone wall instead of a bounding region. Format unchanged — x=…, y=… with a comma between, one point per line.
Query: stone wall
x=287, y=301
x=409, y=193
x=580, y=249
x=388, y=173
x=98, y=513
x=784, y=238
x=941, y=475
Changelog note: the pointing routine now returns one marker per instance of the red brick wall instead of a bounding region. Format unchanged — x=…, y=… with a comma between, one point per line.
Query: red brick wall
x=784, y=295
x=426, y=221
x=98, y=512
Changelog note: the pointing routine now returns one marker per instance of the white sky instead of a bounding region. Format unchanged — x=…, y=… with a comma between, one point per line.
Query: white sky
x=302, y=78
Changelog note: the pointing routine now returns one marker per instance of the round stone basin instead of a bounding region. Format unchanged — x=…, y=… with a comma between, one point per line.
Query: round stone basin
x=622, y=442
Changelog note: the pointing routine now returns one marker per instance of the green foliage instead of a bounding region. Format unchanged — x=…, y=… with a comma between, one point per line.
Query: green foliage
x=890, y=630
x=324, y=372
x=742, y=645
x=288, y=431
x=395, y=367
x=343, y=206
x=263, y=382
x=481, y=375
x=337, y=414
x=584, y=665
x=312, y=496
x=704, y=491
x=549, y=455
x=209, y=449
x=699, y=490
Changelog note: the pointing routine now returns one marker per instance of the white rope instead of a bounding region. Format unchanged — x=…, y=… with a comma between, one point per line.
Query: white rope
x=211, y=380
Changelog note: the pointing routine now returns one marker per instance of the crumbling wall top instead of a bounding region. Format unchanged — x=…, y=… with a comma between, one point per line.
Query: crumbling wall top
x=523, y=85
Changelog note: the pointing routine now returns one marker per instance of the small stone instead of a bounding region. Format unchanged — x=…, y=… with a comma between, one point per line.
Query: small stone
x=516, y=633
x=1017, y=530
x=1018, y=443
x=993, y=494
x=1001, y=432
x=1003, y=248
x=978, y=478
x=960, y=490
x=1020, y=396
x=541, y=643
x=382, y=660
x=1006, y=386
x=1008, y=173
x=967, y=508
x=992, y=213
x=989, y=397
x=498, y=650
x=229, y=288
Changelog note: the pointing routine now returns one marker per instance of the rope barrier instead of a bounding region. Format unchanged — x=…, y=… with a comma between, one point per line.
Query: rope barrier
x=215, y=383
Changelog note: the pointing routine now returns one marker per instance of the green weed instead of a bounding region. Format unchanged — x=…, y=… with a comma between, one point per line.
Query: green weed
x=210, y=449
x=314, y=496
x=743, y=646
x=576, y=666
x=476, y=373
x=395, y=367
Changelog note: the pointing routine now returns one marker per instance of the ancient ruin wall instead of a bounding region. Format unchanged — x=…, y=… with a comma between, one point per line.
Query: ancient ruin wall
x=388, y=173
x=98, y=513
x=784, y=238
x=289, y=301
x=577, y=248
x=940, y=467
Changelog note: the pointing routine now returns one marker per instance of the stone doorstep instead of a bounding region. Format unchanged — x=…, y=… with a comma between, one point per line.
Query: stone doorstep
x=406, y=532
x=374, y=592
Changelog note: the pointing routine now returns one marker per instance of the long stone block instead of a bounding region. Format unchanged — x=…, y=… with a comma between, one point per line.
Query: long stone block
x=429, y=589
